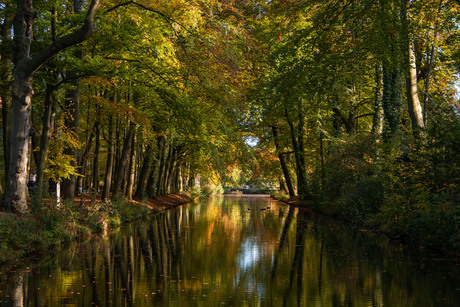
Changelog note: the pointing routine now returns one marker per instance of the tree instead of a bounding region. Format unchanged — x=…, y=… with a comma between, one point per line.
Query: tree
x=6, y=75
x=25, y=65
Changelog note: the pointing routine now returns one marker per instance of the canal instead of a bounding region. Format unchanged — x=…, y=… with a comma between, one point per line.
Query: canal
x=233, y=251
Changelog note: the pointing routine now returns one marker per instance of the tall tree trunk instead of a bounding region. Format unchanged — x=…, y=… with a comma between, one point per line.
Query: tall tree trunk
x=426, y=97
x=377, y=119
x=321, y=157
x=152, y=183
x=298, y=146
x=162, y=170
x=110, y=158
x=391, y=67
x=47, y=119
x=177, y=185
x=5, y=85
x=287, y=175
x=391, y=100
x=96, y=158
x=72, y=106
x=302, y=170
x=413, y=101
x=14, y=198
x=121, y=165
x=132, y=169
x=146, y=170
x=47, y=122
x=86, y=154
x=171, y=169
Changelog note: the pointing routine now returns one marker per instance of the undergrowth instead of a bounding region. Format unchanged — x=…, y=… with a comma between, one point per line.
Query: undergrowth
x=51, y=225
x=407, y=187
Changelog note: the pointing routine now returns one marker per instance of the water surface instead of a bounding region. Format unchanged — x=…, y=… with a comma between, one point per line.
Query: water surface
x=229, y=251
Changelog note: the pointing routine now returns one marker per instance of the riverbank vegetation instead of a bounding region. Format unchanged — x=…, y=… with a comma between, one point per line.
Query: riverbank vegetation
x=49, y=226
x=351, y=105
x=361, y=104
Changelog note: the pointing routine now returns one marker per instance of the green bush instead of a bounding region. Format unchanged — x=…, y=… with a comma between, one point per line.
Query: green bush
x=206, y=191
x=218, y=190
x=360, y=200
x=194, y=193
x=279, y=195
x=433, y=229
x=127, y=211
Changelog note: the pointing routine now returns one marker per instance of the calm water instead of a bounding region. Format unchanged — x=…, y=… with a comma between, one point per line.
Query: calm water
x=233, y=252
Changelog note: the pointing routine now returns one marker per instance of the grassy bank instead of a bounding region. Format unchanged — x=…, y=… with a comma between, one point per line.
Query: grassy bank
x=49, y=225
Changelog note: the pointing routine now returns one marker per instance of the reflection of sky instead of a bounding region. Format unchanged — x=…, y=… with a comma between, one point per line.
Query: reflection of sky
x=249, y=254
x=247, y=260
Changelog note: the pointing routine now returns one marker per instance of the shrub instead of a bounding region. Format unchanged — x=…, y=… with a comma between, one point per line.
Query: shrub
x=279, y=195
x=361, y=200
x=433, y=229
x=218, y=190
x=194, y=193
x=206, y=191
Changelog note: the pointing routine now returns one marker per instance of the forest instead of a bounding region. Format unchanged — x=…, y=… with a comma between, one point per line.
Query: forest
x=350, y=106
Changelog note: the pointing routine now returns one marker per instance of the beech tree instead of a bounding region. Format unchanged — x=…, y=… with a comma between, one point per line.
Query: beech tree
x=24, y=67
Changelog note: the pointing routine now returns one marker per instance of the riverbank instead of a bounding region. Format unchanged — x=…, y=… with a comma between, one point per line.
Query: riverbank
x=374, y=225
x=49, y=225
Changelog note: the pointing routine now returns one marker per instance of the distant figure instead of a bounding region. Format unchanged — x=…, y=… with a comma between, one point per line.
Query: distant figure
x=32, y=183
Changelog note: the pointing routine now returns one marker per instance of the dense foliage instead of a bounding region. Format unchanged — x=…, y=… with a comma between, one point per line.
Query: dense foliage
x=353, y=105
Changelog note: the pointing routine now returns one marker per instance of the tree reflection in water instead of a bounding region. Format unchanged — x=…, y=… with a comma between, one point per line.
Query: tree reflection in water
x=233, y=251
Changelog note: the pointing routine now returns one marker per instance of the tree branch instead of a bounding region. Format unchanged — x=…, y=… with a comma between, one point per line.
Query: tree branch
x=83, y=33
x=364, y=115
x=148, y=67
x=57, y=85
x=168, y=19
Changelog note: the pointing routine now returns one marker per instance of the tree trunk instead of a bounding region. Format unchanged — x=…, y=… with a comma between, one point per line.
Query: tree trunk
x=14, y=198
x=391, y=100
x=377, y=120
x=167, y=169
x=152, y=184
x=72, y=106
x=298, y=146
x=287, y=175
x=96, y=158
x=162, y=170
x=5, y=85
x=414, y=106
x=302, y=171
x=109, y=165
x=426, y=97
x=132, y=169
x=47, y=121
x=85, y=156
x=348, y=122
x=121, y=165
x=413, y=101
x=146, y=170
x=177, y=188
x=171, y=170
